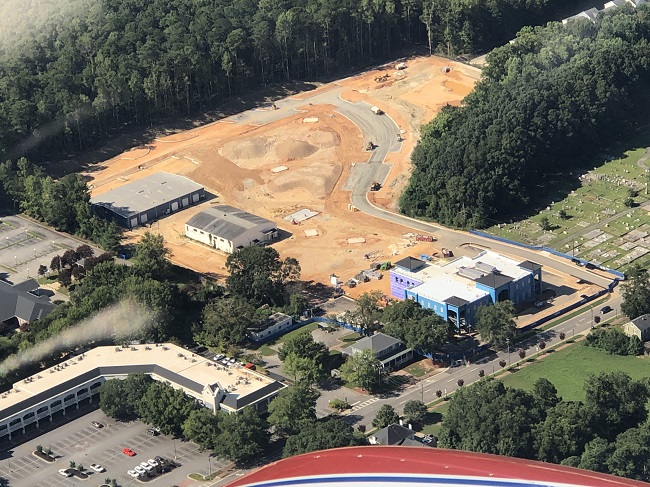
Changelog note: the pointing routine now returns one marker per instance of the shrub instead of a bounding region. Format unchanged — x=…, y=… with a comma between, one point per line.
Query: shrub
x=614, y=342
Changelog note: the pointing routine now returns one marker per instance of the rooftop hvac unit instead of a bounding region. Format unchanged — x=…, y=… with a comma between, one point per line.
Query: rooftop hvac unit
x=487, y=268
x=470, y=273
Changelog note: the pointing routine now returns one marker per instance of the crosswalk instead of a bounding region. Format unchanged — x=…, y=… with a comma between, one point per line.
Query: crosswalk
x=355, y=407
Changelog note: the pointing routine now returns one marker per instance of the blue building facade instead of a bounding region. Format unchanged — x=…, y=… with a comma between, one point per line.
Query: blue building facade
x=455, y=291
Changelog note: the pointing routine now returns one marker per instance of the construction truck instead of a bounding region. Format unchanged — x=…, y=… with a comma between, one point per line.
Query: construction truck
x=370, y=146
x=447, y=253
x=400, y=66
x=375, y=186
x=377, y=111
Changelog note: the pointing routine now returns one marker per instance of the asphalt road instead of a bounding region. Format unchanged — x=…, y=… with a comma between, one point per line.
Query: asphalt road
x=447, y=381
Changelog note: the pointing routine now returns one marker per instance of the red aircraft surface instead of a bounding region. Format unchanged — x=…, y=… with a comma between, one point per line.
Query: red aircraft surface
x=374, y=466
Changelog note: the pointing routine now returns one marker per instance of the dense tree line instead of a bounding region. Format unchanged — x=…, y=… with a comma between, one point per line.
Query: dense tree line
x=615, y=342
x=63, y=204
x=607, y=432
x=544, y=105
x=81, y=77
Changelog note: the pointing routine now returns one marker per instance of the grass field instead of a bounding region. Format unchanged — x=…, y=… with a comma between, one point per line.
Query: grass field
x=591, y=198
x=567, y=369
x=266, y=349
x=416, y=370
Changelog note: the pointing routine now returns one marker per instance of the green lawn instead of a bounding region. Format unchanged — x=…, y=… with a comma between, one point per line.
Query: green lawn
x=568, y=369
x=350, y=337
x=416, y=370
x=266, y=350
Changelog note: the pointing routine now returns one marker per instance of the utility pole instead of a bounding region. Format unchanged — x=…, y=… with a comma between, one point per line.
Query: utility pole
x=508, y=343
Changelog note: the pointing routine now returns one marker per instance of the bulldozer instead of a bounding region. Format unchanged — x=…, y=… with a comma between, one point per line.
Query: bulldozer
x=370, y=146
x=375, y=186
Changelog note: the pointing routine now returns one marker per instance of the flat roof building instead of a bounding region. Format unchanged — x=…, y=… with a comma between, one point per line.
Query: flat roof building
x=53, y=391
x=229, y=229
x=147, y=199
x=456, y=289
x=276, y=324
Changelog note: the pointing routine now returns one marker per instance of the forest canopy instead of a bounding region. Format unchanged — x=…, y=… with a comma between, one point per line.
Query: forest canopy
x=545, y=103
x=71, y=80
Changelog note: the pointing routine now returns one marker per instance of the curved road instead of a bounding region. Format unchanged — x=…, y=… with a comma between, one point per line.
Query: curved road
x=383, y=131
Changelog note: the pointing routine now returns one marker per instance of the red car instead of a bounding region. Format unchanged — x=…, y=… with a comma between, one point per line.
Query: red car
x=128, y=451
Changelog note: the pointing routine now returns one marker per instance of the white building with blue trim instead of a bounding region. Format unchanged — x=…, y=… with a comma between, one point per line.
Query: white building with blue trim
x=455, y=290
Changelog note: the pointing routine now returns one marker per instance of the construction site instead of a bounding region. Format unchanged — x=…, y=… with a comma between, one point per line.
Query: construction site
x=289, y=160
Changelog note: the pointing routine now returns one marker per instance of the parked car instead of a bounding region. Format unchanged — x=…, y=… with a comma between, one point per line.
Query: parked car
x=97, y=468
x=146, y=466
x=152, y=432
x=605, y=309
x=128, y=451
x=231, y=362
x=160, y=460
x=132, y=473
x=225, y=361
x=152, y=462
x=140, y=470
x=218, y=357
x=65, y=472
x=96, y=424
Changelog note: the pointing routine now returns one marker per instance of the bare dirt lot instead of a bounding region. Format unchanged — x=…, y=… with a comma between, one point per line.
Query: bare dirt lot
x=273, y=162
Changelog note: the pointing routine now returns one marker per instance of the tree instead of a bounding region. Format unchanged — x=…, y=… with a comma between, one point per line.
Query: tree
x=522, y=353
x=323, y=434
x=616, y=401
x=55, y=264
x=629, y=202
x=595, y=456
x=243, y=436
x=367, y=314
x=415, y=326
x=292, y=408
x=42, y=270
x=165, y=407
x=563, y=214
x=304, y=358
x=496, y=323
x=68, y=258
x=119, y=398
x=415, y=412
x=257, y=274
x=564, y=433
x=152, y=257
x=545, y=395
x=225, y=322
x=489, y=417
x=630, y=457
x=298, y=304
x=385, y=416
x=544, y=224
x=636, y=294
x=460, y=382
x=362, y=369
x=84, y=251
x=202, y=427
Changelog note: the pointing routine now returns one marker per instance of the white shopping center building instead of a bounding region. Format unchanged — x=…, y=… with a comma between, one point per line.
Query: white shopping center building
x=65, y=386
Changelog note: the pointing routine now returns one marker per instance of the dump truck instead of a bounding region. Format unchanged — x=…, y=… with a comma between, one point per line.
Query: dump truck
x=370, y=146
x=375, y=186
x=377, y=111
x=447, y=253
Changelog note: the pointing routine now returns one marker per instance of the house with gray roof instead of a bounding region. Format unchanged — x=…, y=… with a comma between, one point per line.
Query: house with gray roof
x=147, y=199
x=395, y=434
x=229, y=229
x=23, y=303
x=390, y=351
x=639, y=327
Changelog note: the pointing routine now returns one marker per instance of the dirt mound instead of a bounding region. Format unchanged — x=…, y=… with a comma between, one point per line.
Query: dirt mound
x=324, y=139
x=247, y=149
x=294, y=149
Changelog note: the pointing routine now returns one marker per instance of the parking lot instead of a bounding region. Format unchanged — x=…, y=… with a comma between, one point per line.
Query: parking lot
x=25, y=245
x=80, y=442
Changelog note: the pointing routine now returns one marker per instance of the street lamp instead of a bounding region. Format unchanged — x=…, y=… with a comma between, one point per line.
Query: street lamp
x=508, y=343
x=572, y=334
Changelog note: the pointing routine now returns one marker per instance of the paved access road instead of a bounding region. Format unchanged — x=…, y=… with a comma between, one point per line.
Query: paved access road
x=447, y=382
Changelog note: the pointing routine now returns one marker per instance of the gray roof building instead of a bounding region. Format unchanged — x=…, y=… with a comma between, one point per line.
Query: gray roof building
x=390, y=351
x=23, y=301
x=228, y=229
x=395, y=434
x=148, y=198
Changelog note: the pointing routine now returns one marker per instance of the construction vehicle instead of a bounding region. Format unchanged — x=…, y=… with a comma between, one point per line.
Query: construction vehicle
x=385, y=266
x=377, y=111
x=382, y=78
x=447, y=253
x=400, y=66
x=370, y=146
x=375, y=186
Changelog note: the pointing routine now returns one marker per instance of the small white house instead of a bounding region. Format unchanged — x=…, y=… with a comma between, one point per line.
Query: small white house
x=229, y=229
x=275, y=324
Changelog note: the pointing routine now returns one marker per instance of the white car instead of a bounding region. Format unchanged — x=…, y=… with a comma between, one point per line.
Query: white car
x=225, y=361
x=65, y=472
x=97, y=468
x=231, y=362
x=218, y=357
x=152, y=462
x=140, y=470
x=146, y=466
x=133, y=473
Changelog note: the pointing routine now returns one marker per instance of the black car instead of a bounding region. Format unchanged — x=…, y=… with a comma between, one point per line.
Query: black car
x=605, y=309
